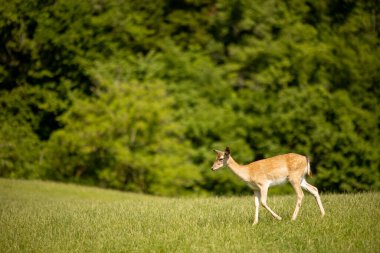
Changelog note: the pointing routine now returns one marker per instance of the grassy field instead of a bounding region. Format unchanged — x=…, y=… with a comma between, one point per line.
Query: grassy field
x=51, y=217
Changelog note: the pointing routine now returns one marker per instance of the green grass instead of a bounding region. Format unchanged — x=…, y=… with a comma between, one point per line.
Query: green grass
x=51, y=217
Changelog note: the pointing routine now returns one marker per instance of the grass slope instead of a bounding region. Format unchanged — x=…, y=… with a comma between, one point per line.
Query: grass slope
x=51, y=217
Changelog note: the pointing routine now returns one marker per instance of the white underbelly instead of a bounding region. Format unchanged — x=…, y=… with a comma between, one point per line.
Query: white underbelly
x=271, y=183
x=277, y=181
x=252, y=186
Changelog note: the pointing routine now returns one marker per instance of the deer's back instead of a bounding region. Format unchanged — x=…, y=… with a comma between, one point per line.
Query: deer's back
x=280, y=166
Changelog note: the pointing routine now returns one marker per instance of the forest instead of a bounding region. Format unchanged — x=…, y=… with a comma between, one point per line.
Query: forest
x=135, y=95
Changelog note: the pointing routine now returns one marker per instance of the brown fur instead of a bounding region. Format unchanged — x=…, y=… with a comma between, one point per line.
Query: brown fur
x=260, y=175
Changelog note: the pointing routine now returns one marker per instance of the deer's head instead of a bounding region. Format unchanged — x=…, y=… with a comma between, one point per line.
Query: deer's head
x=221, y=159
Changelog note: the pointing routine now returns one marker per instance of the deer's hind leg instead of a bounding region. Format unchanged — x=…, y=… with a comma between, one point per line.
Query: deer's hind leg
x=314, y=191
x=297, y=188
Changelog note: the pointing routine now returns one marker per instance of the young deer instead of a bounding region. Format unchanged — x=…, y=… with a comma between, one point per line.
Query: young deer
x=262, y=174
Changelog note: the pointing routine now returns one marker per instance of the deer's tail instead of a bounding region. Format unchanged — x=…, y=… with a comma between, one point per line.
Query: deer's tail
x=308, y=169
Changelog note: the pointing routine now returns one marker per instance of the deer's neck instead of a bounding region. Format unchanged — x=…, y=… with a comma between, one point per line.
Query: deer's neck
x=240, y=170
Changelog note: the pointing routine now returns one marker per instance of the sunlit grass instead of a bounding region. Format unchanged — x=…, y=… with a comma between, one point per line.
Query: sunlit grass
x=50, y=217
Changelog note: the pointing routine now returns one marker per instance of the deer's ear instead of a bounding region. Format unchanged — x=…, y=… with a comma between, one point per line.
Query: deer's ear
x=227, y=151
x=217, y=151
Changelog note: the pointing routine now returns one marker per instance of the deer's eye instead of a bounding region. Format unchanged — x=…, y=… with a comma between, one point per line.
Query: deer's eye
x=220, y=159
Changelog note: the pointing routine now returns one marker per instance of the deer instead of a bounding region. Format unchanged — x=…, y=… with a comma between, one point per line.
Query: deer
x=260, y=175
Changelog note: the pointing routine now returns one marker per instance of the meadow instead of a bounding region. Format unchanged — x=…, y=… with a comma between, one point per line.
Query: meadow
x=38, y=216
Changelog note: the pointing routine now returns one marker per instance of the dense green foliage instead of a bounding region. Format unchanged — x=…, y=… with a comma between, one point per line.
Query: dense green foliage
x=134, y=95
x=50, y=217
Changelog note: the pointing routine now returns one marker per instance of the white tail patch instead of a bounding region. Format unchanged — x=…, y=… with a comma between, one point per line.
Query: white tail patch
x=308, y=170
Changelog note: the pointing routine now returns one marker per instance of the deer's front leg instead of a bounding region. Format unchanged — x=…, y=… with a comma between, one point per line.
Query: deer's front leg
x=257, y=206
x=263, y=199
